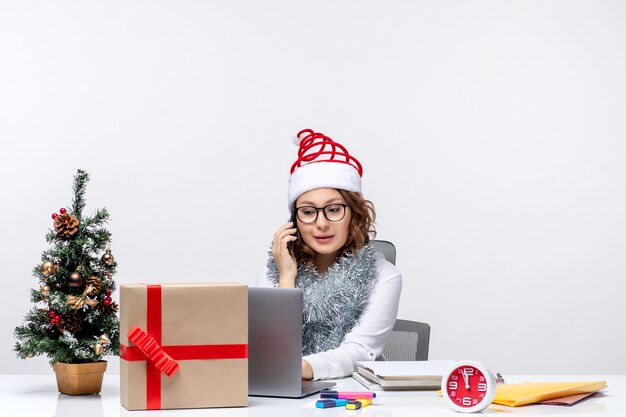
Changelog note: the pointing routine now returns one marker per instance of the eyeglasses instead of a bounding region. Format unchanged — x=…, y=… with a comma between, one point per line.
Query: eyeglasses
x=332, y=212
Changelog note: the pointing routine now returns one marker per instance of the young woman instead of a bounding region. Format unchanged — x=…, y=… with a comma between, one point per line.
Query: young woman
x=350, y=297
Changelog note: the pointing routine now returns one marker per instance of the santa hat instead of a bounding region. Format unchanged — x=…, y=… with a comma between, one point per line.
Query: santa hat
x=322, y=163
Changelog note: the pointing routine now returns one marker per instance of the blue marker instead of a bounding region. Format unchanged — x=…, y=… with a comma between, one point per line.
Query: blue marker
x=330, y=402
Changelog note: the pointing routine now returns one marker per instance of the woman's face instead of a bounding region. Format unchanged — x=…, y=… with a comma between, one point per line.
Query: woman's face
x=323, y=236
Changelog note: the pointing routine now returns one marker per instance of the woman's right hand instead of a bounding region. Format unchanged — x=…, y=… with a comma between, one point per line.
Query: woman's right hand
x=285, y=261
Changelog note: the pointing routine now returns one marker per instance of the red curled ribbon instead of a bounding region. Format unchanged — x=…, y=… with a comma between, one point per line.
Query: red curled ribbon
x=317, y=147
x=146, y=343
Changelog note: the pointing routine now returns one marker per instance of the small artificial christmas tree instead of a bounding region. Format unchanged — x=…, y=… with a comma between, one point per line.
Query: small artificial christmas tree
x=74, y=318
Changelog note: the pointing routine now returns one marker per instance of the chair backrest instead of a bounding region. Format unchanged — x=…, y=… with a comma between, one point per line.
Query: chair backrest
x=385, y=250
x=409, y=340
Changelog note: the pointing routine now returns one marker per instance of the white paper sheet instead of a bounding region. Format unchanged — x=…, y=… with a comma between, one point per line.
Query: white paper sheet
x=386, y=369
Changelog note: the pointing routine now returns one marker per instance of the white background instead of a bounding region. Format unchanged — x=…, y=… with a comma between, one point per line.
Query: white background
x=492, y=134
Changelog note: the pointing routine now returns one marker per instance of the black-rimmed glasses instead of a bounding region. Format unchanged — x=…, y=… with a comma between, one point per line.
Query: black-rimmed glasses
x=332, y=212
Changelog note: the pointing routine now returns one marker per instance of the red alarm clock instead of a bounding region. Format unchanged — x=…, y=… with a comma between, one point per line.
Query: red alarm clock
x=468, y=387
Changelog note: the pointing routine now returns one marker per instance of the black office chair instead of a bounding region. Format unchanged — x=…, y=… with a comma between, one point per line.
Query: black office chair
x=409, y=340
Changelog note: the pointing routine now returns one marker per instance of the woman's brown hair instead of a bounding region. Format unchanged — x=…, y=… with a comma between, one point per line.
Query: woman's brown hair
x=361, y=227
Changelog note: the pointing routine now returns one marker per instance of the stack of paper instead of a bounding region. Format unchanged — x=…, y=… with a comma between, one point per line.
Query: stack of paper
x=401, y=375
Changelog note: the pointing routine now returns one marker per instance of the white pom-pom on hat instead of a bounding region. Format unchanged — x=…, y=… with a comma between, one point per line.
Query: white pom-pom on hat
x=297, y=140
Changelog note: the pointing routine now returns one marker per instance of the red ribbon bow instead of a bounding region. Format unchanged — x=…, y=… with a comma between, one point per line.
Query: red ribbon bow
x=155, y=353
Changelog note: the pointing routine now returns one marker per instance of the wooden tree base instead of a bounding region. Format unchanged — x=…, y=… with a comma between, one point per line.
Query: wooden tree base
x=79, y=378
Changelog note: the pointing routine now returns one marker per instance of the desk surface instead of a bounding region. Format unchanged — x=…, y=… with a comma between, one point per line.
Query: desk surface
x=36, y=395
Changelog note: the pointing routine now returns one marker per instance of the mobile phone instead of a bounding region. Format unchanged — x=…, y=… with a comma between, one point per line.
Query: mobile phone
x=293, y=220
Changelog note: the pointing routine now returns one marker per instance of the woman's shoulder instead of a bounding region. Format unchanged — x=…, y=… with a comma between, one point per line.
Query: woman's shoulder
x=386, y=271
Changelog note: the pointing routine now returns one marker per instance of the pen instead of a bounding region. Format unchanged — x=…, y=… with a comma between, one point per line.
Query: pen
x=330, y=402
x=356, y=404
x=347, y=395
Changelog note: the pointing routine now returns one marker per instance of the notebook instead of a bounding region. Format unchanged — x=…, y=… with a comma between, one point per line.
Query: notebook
x=398, y=370
x=275, y=344
x=402, y=375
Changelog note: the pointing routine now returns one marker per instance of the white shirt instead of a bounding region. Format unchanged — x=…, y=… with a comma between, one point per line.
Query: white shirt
x=366, y=339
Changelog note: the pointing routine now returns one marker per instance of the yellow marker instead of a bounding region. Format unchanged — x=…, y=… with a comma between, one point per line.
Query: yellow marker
x=358, y=403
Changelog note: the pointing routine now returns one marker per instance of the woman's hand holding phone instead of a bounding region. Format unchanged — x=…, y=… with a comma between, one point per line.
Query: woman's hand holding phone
x=285, y=261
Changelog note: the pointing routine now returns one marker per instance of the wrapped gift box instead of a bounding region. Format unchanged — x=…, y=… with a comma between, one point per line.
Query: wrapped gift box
x=197, y=333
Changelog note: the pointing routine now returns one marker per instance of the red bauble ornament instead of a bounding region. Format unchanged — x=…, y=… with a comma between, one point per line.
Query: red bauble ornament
x=62, y=210
x=107, y=301
x=57, y=319
x=52, y=314
x=108, y=293
x=54, y=216
x=53, y=322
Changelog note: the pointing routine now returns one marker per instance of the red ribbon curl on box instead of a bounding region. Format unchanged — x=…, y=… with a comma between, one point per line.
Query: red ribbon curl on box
x=163, y=358
x=149, y=347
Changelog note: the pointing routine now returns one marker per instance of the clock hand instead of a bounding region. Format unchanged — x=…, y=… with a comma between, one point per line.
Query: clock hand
x=465, y=378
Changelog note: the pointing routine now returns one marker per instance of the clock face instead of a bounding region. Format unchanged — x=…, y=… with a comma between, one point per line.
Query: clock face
x=468, y=387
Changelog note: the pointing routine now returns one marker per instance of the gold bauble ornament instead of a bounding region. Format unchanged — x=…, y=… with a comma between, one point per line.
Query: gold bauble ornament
x=49, y=268
x=104, y=339
x=107, y=258
x=75, y=281
x=30, y=355
x=45, y=289
x=98, y=348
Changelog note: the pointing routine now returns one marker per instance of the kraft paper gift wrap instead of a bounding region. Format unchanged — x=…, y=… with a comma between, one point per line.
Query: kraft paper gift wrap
x=197, y=332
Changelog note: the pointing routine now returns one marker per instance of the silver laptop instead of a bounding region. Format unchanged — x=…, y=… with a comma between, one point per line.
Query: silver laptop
x=275, y=344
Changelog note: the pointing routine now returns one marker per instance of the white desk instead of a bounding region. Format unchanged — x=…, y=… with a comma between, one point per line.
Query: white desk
x=36, y=395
